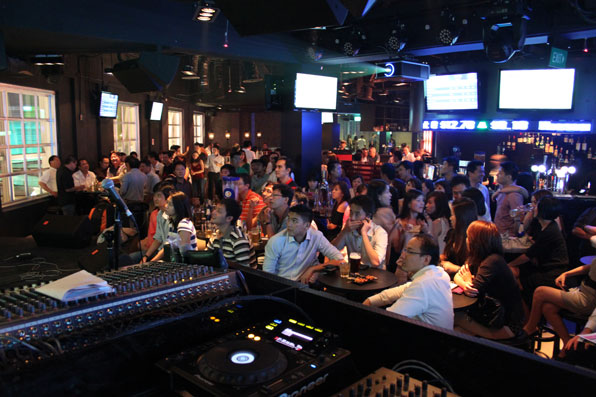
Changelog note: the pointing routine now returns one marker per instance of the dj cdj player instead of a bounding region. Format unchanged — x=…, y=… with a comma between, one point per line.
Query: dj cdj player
x=278, y=358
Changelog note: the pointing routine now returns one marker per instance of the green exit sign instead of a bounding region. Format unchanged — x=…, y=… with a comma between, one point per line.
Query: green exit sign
x=558, y=58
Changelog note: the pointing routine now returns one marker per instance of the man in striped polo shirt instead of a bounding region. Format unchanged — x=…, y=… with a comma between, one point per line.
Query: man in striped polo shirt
x=232, y=241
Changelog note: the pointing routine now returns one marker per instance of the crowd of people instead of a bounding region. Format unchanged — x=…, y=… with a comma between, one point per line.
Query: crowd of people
x=432, y=233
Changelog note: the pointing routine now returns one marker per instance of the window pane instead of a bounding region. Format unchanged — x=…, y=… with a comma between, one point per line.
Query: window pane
x=33, y=188
x=5, y=190
x=45, y=132
x=16, y=161
x=3, y=128
x=32, y=157
x=18, y=187
x=30, y=133
x=44, y=156
x=3, y=162
x=44, y=106
x=14, y=106
x=16, y=133
x=29, y=111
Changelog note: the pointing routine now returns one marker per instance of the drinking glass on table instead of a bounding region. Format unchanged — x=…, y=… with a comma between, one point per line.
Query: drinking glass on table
x=355, y=260
x=344, y=269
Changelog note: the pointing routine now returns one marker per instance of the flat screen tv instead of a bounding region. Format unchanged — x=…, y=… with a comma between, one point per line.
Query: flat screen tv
x=315, y=92
x=536, y=89
x=156, y=111
x=108, y=106
x=452, y=92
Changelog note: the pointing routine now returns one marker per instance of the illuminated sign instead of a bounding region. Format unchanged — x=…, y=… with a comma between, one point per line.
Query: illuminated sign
x=290, y=332
x=389, y=69
x=507, y=125
x=564, y=126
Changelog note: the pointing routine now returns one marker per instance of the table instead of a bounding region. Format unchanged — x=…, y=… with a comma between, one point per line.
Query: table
x=343, y=286
x=462, y=301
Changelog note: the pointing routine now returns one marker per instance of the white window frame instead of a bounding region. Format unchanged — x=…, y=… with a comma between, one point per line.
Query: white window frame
x=198, y=127
x=31, y=167
x=121, y=144
x=173, y=138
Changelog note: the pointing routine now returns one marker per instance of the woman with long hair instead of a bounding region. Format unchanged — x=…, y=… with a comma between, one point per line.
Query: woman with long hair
x=340, y=193
x=182, y=236
x=378, y=191
x=456, y=252
x=438, y=212
x=411, y=218
x=487, y=274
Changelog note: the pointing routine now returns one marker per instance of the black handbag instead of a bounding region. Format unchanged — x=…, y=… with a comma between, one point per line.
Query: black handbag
x=488, y=311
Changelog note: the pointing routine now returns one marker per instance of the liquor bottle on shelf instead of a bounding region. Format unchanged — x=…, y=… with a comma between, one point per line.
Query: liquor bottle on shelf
x=542, y=142
x=578, y=145
x=547, y=147
x=513, y=144
x=584, y=145
x=589, y=155
x=565, y=139
x=556, y=151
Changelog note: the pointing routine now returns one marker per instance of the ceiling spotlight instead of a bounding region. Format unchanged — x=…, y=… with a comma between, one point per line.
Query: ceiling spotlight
x=48, y=60
x=586, y=50
x=205, y=12
x=449, y=31
x=226, y=43
x=188, y=70
x=504, y=30
x=397, y=39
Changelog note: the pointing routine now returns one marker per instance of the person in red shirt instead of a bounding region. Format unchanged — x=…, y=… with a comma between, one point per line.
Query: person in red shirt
x=283, y=172
x=251, y=202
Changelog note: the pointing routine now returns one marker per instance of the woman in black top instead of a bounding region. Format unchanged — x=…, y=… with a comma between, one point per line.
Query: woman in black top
x=456, y=251
x=341, y=194
x=487, y=274
x=547, y=258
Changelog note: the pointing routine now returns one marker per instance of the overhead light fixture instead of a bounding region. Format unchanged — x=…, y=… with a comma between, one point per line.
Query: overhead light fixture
x=205, y=11
x=351, y=45
x=397, y=39
x=586, y=50
x=226, y=43
x=188, y=70
x=48, y=60
x=449, y=31
x=504, y=30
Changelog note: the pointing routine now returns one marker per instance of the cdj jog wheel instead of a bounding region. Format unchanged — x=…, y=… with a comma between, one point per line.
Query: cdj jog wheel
x=242, y=363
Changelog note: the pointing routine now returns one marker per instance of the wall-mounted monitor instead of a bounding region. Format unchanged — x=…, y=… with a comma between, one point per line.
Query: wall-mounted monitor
x=452, y=92
x=108, y=105
x=536, y=89
x=156, y=111
x=315, y=92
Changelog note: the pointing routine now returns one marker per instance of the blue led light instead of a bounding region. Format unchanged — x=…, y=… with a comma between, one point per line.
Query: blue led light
x=277, y=321
x=389, y=69
x=313, y=366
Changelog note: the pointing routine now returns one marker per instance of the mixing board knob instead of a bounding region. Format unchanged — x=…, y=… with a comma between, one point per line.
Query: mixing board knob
x=385, y=392
x=417, y=390
x=369, y=382
x=444, y=392
x=406, y=381
x=360, y=389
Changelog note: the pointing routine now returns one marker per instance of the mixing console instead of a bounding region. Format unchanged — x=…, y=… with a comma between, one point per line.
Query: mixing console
x=29, y=316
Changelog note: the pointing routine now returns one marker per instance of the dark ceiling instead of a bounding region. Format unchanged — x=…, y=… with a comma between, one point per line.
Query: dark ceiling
x=268, y=34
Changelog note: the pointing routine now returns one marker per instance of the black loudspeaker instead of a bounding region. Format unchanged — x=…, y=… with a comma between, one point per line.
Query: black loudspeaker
x=96, y=260
x=63, y=231
x=151, y=72
x=272, y=16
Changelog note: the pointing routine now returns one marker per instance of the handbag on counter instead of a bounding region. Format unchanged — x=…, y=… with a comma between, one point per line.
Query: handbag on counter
x=488, y=311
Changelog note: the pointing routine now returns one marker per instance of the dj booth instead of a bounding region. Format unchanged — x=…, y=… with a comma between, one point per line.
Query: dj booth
x=178, y=329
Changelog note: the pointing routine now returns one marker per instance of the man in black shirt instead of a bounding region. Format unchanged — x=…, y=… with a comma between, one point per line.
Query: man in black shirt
x=66, y=186
x=585, y=228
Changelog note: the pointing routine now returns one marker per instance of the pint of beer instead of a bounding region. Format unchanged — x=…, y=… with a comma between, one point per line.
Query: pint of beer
x=355, y=260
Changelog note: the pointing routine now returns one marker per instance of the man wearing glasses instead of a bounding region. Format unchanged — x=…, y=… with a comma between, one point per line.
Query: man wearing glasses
x=428, y=296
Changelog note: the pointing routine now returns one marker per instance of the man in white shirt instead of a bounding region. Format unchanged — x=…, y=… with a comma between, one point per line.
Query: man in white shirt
x=48, y=179
x=475, y=169
x=293, y=252
x=361, y=235
x=428, y=296
x=152, y=178
x=84, y=177
x=250, y=155
x=156, y=166
x=214, y=163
